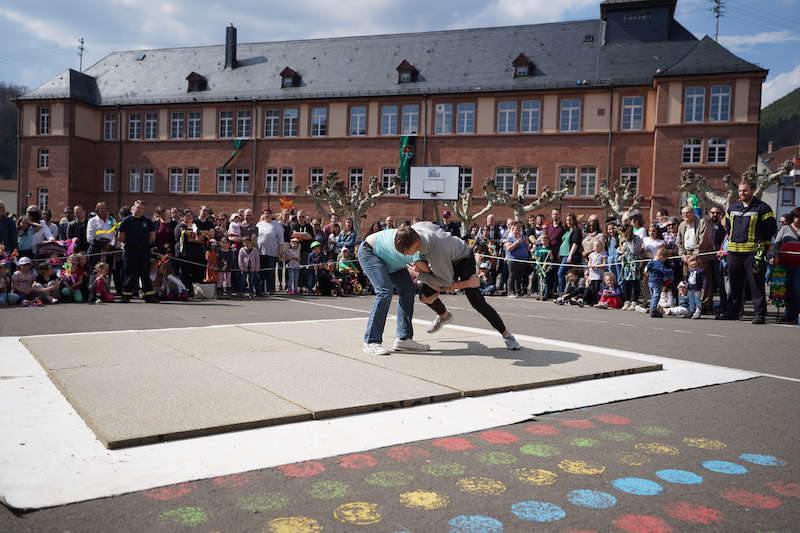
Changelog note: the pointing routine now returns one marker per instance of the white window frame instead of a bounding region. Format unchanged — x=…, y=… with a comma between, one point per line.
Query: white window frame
x=316, y=175
x=134, y=180
x=108, y=180
x=570, y=115
x=533, y=184
x=43, y=122
x=287, y=181
x=632, y=173
x=565, y=173
x=355, y=177
x=110, y=127
x=410, y=119
x=587, y=185
x=195, y=125
x=192, y=180
x=177, y=121
x=134, y=126
x=389, y=119
x=632, y=113
x=319, y=121
x=225, y=128
x=530, y=116
x=695, y=151
x=694, y=104
x=43, y=158
x=224, y=181
x=358, y=121
x=443, y=119
x=148, y=180
x=717, y=153
x=291, y=118
x=504, y=178
x=175, y=180
x=272, y=122
x=43, y=198
x=720, y=110
x=465, y=118
x=464, y=178
x=244, y=124
x=242, y=181
x=507, y=116
x=271, y=181
x=151, y=126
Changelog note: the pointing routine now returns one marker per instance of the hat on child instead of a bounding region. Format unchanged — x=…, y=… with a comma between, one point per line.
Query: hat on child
x=486, y=265
x=24, y=261
x=446, y=213
x=315, y=244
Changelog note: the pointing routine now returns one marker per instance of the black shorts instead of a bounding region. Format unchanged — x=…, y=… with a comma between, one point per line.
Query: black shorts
x=462, y=270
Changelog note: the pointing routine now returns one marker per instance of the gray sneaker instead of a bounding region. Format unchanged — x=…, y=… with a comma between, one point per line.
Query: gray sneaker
x=511, y=343
x=437, y=324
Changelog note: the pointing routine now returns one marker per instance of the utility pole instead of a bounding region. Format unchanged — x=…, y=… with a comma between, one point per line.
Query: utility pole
x=81, y=49
x=719, y=6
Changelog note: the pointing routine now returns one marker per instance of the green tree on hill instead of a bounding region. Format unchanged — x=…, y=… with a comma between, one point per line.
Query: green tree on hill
x=780, y=122
x=8, y=129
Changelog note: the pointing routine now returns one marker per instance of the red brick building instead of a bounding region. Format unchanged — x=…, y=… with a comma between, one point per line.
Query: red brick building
x=630, y=93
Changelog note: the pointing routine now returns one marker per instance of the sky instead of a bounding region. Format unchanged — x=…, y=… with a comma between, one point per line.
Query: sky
x=41, y=36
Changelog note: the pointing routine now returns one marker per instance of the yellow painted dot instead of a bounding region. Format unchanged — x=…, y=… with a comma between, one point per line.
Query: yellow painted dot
x=424, y=499
x=358, y=513
x=656, y=448
x=706, y=444
x=633, y=459
x=482, y=485
x=293, y=524
x=581, y=467
x=535, y=476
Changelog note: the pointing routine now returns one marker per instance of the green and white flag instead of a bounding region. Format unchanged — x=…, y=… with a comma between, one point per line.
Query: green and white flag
x=406, y=156
x=237, y=144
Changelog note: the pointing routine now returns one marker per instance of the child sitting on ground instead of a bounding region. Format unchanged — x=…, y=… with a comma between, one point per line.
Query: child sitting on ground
x=47, y=283
x=486, y=279
x=99, y=285
x=573, y=290
x=292, y=260
x=170, y=287
x=72, y=278
x=696, y=282
x=7, y=296
x=667, y=306
x=659, y=275
x=610, y=295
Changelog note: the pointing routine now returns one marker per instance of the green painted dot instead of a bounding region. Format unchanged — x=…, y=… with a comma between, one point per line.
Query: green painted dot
x=496, y=458
x=389, y=479
x=619, y=436
x=584, y=442
x=655, y=431
x=539, y=450
x=262, y=501
x=186, y=516
x=328, y=490
x=443, y=469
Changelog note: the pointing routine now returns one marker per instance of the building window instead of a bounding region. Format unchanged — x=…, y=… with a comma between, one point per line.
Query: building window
x=148, y=180
x=242, y=181
x=566, y=174
x=110, y=127
x=570, y=115
x=290, y=122
x=271, y=120
x=176, y=126
x=244, y=124
x=317, y=176
x=717, y=150
x=389, y=120
x=193, y=180
x=530, y=118
x=464, y=178
x=694, y=104
x=135, y=181
x=588, y=183
x=287, y=181
x=43, y=159
x=195, y=124
x=151, y=126
x=134, y=126
x=465, y=118
x=410, y=119
x=691, y=150
x=388, y=177
x=787, y=197
x=356, y=177
x=358, y=120
x=319, y=121
x=224, y=181
x=443, y=119
x=504, y=178
x=225, y=124
x=108, y=180
x=43, y=199
x=44, y=121
x=632, y=173
x=175, y=180
x=720, y=103
x=271, y=181
x=530, y=190
x=632, y=112
x=506, y=117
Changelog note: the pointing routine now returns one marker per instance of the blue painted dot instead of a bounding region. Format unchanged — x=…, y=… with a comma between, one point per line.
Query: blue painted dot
x=638, y=486
x=475, y=524
x=593, y=499
x=534, y=511
x=724, y=467
x=682, y=477
x=763, y=460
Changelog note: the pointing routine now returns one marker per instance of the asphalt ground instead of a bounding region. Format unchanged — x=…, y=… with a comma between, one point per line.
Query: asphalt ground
x=721, y=458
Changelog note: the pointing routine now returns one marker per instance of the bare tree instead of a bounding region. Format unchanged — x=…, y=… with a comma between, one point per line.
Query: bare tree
x=462, y=208
x=518, y=197
x=697, y=184
x=620, y=197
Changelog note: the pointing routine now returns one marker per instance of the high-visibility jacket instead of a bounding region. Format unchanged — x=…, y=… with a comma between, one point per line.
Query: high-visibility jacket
x=750, y=228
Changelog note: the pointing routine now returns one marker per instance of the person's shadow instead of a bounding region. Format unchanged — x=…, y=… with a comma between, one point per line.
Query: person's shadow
x=523, y=357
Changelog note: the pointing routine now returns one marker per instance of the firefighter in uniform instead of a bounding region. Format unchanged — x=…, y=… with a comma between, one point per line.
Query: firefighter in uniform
x=751, y=226
x=136, y=232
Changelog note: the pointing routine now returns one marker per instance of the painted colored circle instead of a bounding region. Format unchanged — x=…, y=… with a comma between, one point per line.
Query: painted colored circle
x=262, y=501
x=357, y=461
x=752, y=500
x=293, y=524
x=539, y=450
x=171, y=492
x=656, y=448
x=328, y=490
x=537, y=429
x=235, y=480
x=534, y=511
x=613, y=419
x=680, y=477
x=703, y=443
x=579, y=424
x=593, y=499
x=306, y=469
x=584, y=442
x=784, y=489
x=481, y=485
x=724, y=467
x=475, y=524
x=407, y=454
x=762, y=460
x=618, y=436
x=498, y=437
x=638, y=486
x=581, y=467
x=635, y=523
x=358, y=513
x=535, y=476
x=633, y=459
x=497, y=458
x=186, y=516
x=389, y=479
x=694, y=513
x=654, y=431
x=453, y=444
x=425, y=500
x=443, y=469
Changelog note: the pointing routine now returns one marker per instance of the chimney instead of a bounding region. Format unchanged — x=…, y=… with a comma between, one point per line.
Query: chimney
x=230, y=47
x=770, y=147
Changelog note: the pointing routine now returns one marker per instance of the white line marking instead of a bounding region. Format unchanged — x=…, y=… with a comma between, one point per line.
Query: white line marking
x=715, y=335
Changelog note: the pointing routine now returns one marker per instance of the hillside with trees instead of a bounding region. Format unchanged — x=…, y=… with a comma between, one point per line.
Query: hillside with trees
x=780, y=122
x=8, y=130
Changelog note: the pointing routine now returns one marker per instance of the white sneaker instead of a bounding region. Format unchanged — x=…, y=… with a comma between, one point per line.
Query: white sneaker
x=374, y=348
x=511, y=343
x=601, y=305
x=409, y=345
x=641, y=309
x=697, y=314
x=626, y=306
x=439, y=321
x=633, y=306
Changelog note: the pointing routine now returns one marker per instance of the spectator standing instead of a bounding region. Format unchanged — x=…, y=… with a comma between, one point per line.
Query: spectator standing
x=659, y=274
x=269, y=239
x=516, y=248
x=77, y=229
x=8, y=230
x=788, y=239
x=717, y=279
x=249, y=264
x=696, y=236
x=630, y=252
x=190, y=251
x=449, y=225
x=204, y=224
x=165, y=238
x=592, y=233
x=47, y=221
x=570, y=251
x=494, y=230
x=347, y=237
x=662, y=218
x=696, y=281
x=64, y=223
x=103, y=242
x=555, y=231
x=653, y=241
x=136, y=232
x=334, y=219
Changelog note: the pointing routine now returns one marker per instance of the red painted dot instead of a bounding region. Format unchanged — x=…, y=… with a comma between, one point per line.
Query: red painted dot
x=307, y=469
x=453, y=444
x=784, y=489
x=171, y=492
x=235, y=480
x=580, y=531
x=693, y=513
x=613, y=419
x=406, y=454
x=499, y=437
x=637, y=523
x=542, y=430
x=357, y=461
x=752, y=500
x=581, y=424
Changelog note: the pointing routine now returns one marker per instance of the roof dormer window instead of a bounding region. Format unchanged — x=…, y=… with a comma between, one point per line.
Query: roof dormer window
x=523, y=67
x=406, y=72
x=289, y=78
x=196, y=82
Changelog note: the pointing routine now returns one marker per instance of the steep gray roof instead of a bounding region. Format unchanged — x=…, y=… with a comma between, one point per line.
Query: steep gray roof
x=708, y=56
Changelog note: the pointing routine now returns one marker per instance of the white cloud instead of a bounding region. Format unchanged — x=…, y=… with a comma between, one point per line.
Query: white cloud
x=780, y=85
x=40, y=28
x=740, y=42
x=512, y=12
